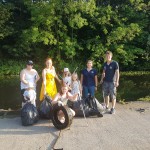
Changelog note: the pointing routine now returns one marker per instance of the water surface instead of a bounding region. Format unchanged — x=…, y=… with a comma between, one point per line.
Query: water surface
x=131, y=88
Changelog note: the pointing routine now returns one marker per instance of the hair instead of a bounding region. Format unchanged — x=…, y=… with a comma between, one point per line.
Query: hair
x=73, y=75
x=62, y=86
x=69, y=74
x=48, y=59
x=109, y=52
x=89, y=61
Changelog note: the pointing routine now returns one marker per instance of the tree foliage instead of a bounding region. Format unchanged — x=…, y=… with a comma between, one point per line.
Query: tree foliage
x=77, y=30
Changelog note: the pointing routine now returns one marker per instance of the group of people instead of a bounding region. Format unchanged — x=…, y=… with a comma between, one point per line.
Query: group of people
x=71, y=87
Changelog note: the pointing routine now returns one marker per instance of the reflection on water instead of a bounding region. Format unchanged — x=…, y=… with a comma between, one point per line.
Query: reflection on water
x=10, y=96
x=131, y=88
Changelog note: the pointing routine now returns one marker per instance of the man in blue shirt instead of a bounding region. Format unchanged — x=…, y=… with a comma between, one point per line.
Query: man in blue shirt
x=110, y=80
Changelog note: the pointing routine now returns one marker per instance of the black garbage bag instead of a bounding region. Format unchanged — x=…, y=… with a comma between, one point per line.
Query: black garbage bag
x=95, y=108
x=45, y=108
x=29, y=114
x=80, y=108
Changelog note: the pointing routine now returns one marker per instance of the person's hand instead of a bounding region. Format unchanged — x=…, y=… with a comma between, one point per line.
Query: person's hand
x=45, y=93
x=101, y=81
x=60, y=103
x=116, y=84
x=95, y=88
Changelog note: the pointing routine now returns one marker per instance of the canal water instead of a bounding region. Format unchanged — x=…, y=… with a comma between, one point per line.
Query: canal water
x=131, y=88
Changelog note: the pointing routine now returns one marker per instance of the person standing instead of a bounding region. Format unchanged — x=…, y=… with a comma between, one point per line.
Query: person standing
x=89, y=79
x=48, y=84
x=28, y=76
x=67, y=77
x=75, y=85
x=110, y=81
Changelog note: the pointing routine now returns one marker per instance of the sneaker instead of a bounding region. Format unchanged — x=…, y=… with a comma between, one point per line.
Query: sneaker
x=107, y=110
x=112, y=111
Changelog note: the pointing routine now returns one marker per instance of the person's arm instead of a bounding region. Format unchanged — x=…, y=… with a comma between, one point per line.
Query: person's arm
x=96, y=81
x=22, y=77
x=116, y=75
x=72, y=97
x=56, y=76
x=37, y=77
x=102, y=77
x=80, y=88
x=44, y=80
x=81, y=80
x=117, y=78
x=55, y=100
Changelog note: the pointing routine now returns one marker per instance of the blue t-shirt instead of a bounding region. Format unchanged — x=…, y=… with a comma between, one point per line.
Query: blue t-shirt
x=110, y=71
x=89, y=77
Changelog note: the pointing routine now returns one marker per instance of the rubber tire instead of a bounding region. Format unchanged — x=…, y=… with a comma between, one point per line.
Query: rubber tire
x=68, y=117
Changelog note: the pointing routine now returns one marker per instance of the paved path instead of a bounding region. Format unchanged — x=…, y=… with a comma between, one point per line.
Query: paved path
x=128, y=129
x=13, y=136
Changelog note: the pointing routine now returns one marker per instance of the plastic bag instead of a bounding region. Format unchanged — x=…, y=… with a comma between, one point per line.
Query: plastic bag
x=79, y=106
x=45, y=108
x=29, y=114
x=90, y=106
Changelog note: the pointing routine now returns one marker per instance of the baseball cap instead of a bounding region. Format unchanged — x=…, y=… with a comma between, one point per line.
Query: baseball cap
x=66, y=69
x=29, y=62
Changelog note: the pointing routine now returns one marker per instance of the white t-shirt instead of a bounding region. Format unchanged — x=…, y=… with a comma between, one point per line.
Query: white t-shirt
x=30, y=78
x=67, y=80
x=30, y=94
x=75, y=87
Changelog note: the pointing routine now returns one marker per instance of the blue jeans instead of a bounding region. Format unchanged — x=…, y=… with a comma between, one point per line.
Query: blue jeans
x=88, y=90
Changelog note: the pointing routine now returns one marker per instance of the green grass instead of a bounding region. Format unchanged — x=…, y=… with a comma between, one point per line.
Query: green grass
x=147, y=99
x=135, y=73
x=13, y=67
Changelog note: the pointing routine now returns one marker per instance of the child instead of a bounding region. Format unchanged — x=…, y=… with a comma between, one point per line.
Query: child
x=29, y=95
x=66, y=77
x=61, y=98
x=75, y=85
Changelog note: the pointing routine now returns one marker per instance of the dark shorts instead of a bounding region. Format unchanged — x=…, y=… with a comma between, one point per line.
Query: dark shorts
x=109, y=89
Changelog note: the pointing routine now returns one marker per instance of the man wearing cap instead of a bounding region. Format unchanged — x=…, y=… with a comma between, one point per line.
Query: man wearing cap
x=109, y=81
x=28, y=76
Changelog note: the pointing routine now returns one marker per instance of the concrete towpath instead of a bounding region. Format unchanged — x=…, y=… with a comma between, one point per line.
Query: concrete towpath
x=14, y=136
x=128, y=129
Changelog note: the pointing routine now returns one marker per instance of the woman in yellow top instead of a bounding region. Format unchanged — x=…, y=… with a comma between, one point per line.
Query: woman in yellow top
x=48, y=84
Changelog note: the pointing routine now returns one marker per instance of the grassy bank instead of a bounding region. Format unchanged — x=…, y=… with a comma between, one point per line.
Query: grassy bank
x=13, y=67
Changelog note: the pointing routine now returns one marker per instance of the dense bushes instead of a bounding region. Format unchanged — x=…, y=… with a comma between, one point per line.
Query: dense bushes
x=74, y=31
